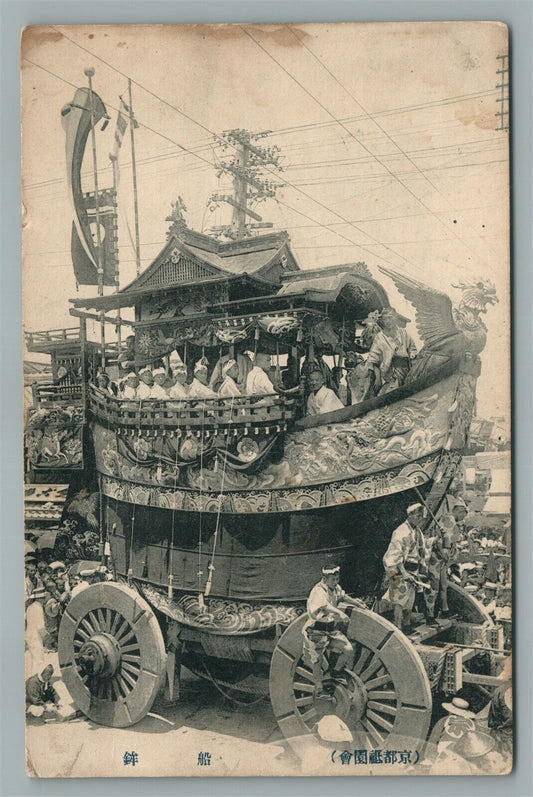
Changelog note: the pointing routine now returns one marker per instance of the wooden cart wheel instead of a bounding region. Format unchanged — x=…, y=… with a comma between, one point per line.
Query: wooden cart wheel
x=111, y=653
x=467, y=607
x=386, y=702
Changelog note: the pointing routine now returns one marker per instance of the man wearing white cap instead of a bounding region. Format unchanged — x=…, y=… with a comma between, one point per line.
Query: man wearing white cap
x=321, y=398
x=199, y=387
x=129, y=384
x=402, y=561
x=159, y=390
x=320, y=631
x=179, y=389
x=144, y=391
x=258, y=382
x=230, y=373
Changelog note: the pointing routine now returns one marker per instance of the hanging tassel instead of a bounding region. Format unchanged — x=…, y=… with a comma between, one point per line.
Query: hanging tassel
x=209, y=582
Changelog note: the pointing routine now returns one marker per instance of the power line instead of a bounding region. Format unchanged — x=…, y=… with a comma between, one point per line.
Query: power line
x=310, y=94
x=301, y=213
x=292, y=185
x=203, y=127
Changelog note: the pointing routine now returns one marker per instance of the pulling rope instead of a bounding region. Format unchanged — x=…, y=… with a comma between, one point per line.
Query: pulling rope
x=173, y=526
x=200, y=571
x=132, y=529
x=228, y=696
x=211, y=566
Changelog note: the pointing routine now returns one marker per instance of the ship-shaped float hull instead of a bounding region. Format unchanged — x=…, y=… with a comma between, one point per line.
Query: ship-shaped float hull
x=218, y=515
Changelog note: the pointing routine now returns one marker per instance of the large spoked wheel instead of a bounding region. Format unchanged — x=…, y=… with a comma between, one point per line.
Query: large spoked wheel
x=111, y=653
x=386, y=700
x=467, y=607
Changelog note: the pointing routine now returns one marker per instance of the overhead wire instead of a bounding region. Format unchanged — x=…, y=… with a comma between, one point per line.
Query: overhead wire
x=381, y=128
x=286, y=182
x=350, y=133
x=218, y=138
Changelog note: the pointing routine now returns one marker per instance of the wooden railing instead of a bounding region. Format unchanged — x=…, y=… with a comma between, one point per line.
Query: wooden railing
x=207, y=414
x=36, y=340
x=56, y=395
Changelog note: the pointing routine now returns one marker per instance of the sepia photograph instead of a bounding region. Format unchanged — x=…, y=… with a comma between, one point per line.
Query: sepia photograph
x=267, y=400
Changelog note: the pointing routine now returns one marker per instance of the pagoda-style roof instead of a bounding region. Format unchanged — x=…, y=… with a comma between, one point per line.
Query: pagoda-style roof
x=190, y=258
x=351, y=282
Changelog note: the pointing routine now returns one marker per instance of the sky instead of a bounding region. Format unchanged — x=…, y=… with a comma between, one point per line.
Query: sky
x=388, y=141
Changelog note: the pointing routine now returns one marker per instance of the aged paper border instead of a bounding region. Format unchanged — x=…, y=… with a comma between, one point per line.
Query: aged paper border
x=33, y=13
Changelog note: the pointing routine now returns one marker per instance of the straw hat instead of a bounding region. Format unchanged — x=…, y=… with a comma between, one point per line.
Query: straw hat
x=459, y=707
x=473, y=744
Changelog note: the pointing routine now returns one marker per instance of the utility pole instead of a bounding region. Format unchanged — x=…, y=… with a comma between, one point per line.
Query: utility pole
x=249, y=185
x=503, y=99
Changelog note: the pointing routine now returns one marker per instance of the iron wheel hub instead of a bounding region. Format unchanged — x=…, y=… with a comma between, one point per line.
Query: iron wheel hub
x=100, y=656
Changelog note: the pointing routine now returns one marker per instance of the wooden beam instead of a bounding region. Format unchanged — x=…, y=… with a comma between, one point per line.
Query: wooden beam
x=484, y=680
x=115, y=321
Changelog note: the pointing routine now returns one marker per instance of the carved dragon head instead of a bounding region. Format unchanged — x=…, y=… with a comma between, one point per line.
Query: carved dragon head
x=477, y=295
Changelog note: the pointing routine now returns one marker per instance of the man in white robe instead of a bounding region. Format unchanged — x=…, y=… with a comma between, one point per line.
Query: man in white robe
x=179, y=389
x=129, y=386
x=258, y=382
x=402, y=561
x=321, y=399
x=230, y=373
x=144, y=391
x=391, y=353
x=199, y=387
x=159, y=390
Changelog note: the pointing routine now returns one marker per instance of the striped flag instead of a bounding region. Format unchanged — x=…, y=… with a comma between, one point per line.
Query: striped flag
x=122, y=125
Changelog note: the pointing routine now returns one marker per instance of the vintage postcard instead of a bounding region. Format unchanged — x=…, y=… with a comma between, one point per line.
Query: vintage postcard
x=267, y=399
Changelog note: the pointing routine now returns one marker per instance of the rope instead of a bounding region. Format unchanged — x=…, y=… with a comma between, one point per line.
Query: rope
x=171, y=559
x=216, y=684
x=200, y=571
x=211, y=565
x=130, y=568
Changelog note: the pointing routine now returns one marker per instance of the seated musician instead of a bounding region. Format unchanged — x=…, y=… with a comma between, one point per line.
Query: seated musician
x=179, y=389
x=244, y=367
x=230, y=374
x=159, y=390
x=199, y=387
x=129, y=385
x=391, y=353
x=321, y=398
x=144, y=391
x=258, y=383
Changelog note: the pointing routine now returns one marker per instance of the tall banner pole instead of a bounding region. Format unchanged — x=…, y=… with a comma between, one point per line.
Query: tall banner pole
x=90, y=73
x=134, y=174
x=117, y=274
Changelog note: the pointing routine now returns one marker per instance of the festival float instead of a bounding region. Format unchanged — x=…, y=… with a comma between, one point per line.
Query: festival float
x=217, y=515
